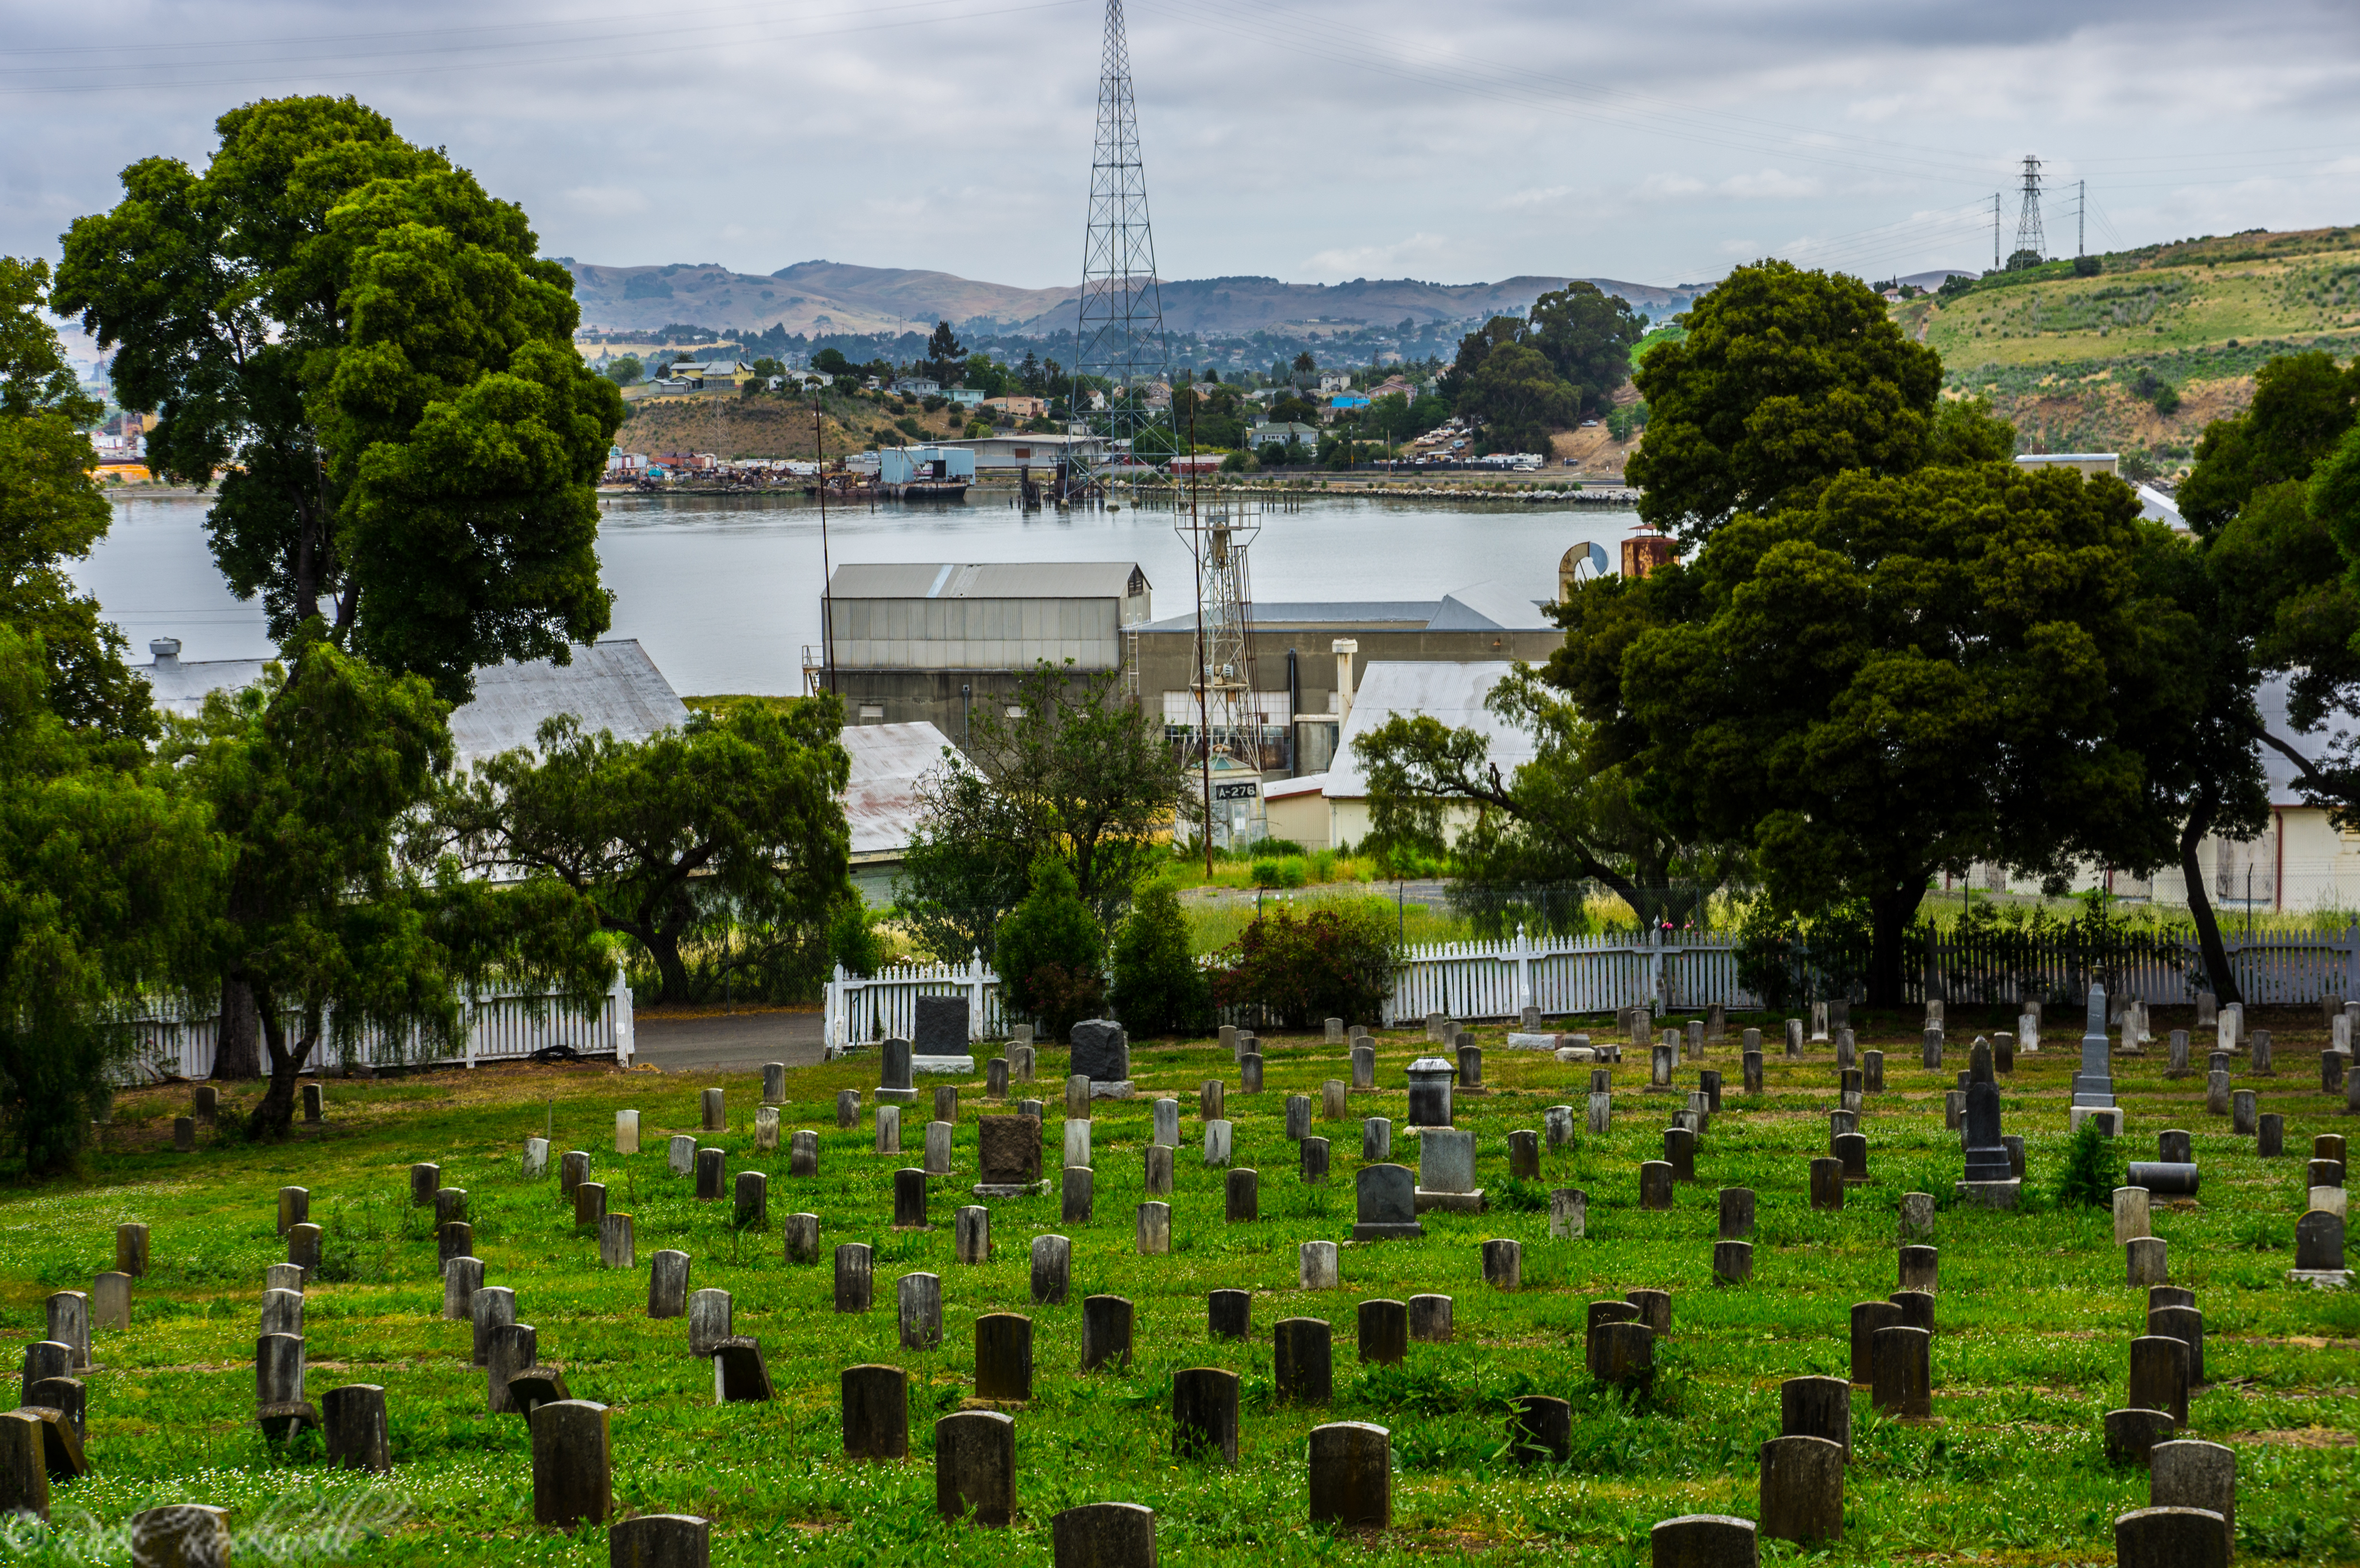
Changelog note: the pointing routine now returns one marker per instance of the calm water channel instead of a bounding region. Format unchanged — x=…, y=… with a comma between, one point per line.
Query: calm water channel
x=723, y=592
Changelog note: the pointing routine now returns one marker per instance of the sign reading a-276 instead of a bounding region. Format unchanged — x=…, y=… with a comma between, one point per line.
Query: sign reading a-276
x=1246, y=790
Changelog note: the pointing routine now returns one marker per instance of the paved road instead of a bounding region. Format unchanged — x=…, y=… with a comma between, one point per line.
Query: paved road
x=738, y=1041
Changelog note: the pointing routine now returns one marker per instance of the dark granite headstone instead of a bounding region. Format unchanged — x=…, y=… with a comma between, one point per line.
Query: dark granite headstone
x=941, y=1028
x=1100, y=1053
x=1009, y=1149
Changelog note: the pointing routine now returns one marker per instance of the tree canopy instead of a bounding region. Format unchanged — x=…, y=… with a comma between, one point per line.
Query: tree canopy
x=52, y=513
x=1587, y=336
x=726, y=834
x=2302, y=406
x=366, y=348
x=1785, y=379
x=1908, y=673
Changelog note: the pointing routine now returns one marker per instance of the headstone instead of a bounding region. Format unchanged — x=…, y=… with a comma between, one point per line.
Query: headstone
x=1003, y=1357
x=178, y=1535
x=875, y=1405
x=1298, y=1117
x=316, y=1103
x=1872, y=1071
x=1301, y=1360
x=1076, y=1195
x=2216, y=1094
x=1569, y=1213
x=1106, y=1333
x=1228, y=1314
x=2185, y=1325
x=1817, y=1407
x=2269, y=1135
x=1704, y=1541
x=1152, y=1229
x=1600, y=1117
x=918, y=1300
x=995, y=1083
x=1241, y=1196
x=714, y=1111
x=1802, y=1489
x=1351, y=1475
x=2187, y=1474
x=855, y=1277
x=1679, y=1153
x=889, y=1129
x=1101, y=1054
x=895, y=1067
x=1314, y=1266
x=1217, y=1143
x=750, y=1205
x=1827, y=1183
x=708, y=1321
x=2243, y=1114
x=1053, y=1258
x=712, y=1173
x=1503, y=1264
x=1900, y=1376
x=493, y=1309
x=799, y=1235
x=513, y=1349
x=1376, y=1140
x=940, y=1026
x=462, y=1278
x=131, y=1249
x=1205, y=1413
x=1622, y=1354
x=589, y=1206
x=1007, y=1155
x=1250, y=1074
x=451, y=1241
x=2144, y=1263
x=1852, y=1156
x=1446, y=1171
x=1429, y=1320
x=1867, y=1317
x=847, y=1109
x=2131, y=1434
x=660, y=1540
x=1429, y=1092
x=668, y=1284
x=1364, y=1067
x=1103, y=1535
x=2318, y=1243
x=1655, y=1178
x=975, y=1466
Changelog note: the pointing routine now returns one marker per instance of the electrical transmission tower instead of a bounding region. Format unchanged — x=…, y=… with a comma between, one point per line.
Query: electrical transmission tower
x=1229, y=722
x=2031, y=245
x=1121, y=319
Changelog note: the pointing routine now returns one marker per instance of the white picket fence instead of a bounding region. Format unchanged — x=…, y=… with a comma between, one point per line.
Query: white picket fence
x=500, y=1028
x=1561, y=976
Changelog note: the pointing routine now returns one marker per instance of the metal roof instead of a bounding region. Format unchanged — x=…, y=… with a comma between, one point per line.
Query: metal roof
x=1343, y=612
x=880, y=802
x=1450, y=692
x=1009, y=580
x=612, y=686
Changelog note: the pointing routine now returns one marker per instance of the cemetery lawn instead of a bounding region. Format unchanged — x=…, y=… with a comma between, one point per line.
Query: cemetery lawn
x=2033, y=1317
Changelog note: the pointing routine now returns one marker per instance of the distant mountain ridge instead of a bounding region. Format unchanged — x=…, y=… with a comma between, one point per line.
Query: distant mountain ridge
x=819, y=296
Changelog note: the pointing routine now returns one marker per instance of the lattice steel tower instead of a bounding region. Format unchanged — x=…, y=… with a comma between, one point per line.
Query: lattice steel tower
x=2030, y=241
x=1121, y=318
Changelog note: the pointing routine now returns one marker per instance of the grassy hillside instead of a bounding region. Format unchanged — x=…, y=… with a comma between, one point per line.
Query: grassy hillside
x=2034, y=1320
x=2079, y=363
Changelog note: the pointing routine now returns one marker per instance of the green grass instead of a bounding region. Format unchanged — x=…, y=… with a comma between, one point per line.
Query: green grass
x=2034, y=1321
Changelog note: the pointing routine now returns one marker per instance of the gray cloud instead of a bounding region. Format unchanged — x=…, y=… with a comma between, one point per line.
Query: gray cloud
x=1313, y=141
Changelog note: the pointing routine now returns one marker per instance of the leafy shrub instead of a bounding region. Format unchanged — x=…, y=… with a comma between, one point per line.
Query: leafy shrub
x=1294, y=968
x=852, y=942
x=2093, y=1169
x=1788, y=961
x=1159, y=988
x=1050, y=949
x=1286, y=873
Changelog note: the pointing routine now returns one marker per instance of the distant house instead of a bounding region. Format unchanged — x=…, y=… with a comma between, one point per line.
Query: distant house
x=966, y=396
x=1268, y=433
x=611, y=686
x=1349, y=400
x=621, y=464
x=917, y=387
x=1329, y=384
x=1021, y=407
x=1005, y=454
x=1393, y=386
x=709, y=374
x=684, y=462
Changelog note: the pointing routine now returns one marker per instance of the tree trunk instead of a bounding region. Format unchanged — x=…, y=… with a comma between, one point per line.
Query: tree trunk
x=1889, y=915
x=276, y=1113
x=665, y=948
x=2200, y=908
x=237, y=1043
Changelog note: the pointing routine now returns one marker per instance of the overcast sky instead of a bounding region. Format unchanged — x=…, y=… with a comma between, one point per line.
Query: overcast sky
x=1312, y=141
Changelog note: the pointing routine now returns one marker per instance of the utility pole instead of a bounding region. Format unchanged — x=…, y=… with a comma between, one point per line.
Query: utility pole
x=1995, y=231
x=2081, y=219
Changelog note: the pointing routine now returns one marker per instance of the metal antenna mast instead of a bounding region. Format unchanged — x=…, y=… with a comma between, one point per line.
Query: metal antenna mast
x=1121, y=334
x=1995, y=231
x=2031, y=245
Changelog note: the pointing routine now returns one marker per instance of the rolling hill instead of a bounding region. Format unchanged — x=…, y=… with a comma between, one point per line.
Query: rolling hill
x=820, y=297
x=2159, y=342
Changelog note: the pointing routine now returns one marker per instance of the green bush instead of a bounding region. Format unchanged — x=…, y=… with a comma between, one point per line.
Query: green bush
x=1159, y=988
x=1288, y=871
x=1293, y=969
x=852, y=942
x=1050, y=949
x=2093, y=1169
